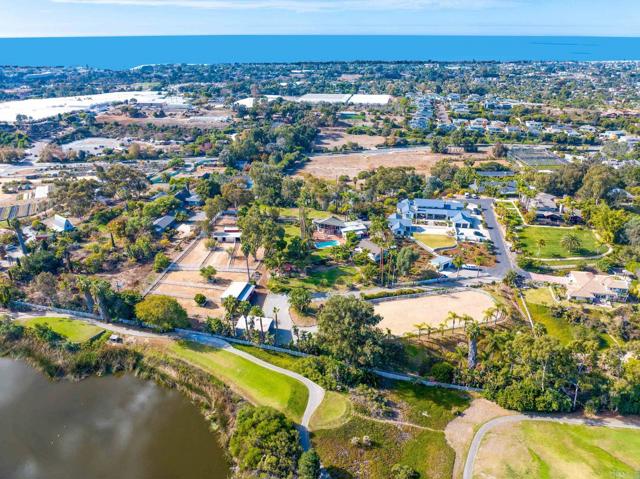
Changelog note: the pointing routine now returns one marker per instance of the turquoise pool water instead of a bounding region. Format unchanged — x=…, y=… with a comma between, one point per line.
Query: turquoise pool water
x=327, y=244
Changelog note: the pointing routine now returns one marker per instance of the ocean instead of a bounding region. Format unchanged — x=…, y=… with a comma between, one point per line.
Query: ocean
x=127, y=52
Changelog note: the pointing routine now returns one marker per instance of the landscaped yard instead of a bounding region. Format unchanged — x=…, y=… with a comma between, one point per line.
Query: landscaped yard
x=435, y=241
x=320, y=279
x=552, y=248
x=539, y=302
x=73, y=330
x=550, y=450
x=312, y=214
x=259, y=385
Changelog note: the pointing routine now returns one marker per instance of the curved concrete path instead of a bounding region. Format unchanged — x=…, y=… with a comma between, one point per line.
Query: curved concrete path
x=316, y=392
x=486, y=427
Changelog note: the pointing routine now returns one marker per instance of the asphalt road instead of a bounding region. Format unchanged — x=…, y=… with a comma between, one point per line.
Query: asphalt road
x=503, y=258
x=477, y=439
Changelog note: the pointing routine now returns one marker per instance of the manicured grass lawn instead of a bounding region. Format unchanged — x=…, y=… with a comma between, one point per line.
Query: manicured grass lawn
x=334, y=412
x=435, y=241
x=283, y=360
x=259, y=385
x=548, y=450
x=553, y=236
x=539, y=296
x=320, y=279
x=425, y=451
x=312, y=214
x=73, y=330
x=429, y=406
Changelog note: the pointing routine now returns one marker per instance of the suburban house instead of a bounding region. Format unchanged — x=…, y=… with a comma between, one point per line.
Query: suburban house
x=440, y=263
x=437, y=217
x=596, y=288
x=333, y=226
x=188, y=198
x=163, y=223
x=372, y=249
x=60, y=224
x=545, y=206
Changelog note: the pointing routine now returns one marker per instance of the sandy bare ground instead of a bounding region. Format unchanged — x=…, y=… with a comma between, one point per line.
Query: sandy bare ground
x=401, y=315
x=336, y=137
x=350, y=164
x=459, y=432
x=215, y=119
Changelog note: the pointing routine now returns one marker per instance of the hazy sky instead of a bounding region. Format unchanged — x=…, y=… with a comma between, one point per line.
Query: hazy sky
x=20, y=18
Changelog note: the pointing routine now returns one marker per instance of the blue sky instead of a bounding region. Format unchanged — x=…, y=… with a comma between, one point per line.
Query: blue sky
x=28, y=18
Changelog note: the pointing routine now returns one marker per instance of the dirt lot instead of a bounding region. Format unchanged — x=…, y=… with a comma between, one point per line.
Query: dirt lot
x=401, y=315
x=336, y=137
x=331, y=166
x=216, y=119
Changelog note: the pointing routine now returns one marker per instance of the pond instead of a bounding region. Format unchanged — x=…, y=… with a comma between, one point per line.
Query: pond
x=105, y=427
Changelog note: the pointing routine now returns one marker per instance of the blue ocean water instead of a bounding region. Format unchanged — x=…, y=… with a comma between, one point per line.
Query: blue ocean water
x=127, y=52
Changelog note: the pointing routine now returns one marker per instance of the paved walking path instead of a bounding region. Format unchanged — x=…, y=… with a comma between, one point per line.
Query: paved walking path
x=477, y=439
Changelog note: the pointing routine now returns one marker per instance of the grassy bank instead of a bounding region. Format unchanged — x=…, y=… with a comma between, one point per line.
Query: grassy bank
x=259, y=385
x=72, y=330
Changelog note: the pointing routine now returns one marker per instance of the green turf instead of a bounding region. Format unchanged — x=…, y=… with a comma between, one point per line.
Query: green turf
x=556, y=327
x=435, y=241
x=553, y=236
x=312, y=214
x=550, y=450
x=73, y=330
x=283, y=360
x=334, y=411
x=323, y=279
x=259, y=385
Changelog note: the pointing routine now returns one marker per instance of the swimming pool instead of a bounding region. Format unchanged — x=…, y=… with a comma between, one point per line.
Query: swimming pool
x=327, y=244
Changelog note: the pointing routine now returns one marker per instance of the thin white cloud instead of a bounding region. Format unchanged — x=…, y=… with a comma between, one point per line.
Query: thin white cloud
x=305, y=5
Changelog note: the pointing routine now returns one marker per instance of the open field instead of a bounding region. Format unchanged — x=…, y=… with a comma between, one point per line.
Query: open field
x=421, y=446
x=320, y=279
x=72, y=329
x=332, y=166
x=332, y=137
x=530, y=235
x=261, y=386
x=436, y=241
x=401, y=315
x=550, y=450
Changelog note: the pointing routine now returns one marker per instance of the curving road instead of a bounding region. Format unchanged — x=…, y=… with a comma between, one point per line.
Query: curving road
x=486, y=427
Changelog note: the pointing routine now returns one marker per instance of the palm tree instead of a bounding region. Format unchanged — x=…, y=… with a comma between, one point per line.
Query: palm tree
x=84, y=285
x=458, y=262
x=472, y=328
x=571, y=242
x=275, y=311
x=489, y=314
x=442, y=328
x=502, y=311
x=17, y=227
x=451, y=317
x=257, y=312
x=541, y=243
x=100, y=289
x=246, y=249
x=420, y=327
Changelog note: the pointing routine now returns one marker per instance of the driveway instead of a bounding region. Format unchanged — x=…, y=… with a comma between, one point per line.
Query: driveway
x=477, y=439
x=503, y=257
x=284, y=333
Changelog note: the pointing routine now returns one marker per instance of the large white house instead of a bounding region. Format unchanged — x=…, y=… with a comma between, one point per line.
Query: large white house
x=438, y=217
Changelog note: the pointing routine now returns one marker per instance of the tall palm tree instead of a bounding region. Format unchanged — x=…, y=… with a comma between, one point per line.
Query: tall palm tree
x=452, y=317
x=458, y=262
x=472, y=328
x=100, y=289
x=17, y=227
x=540, y=243
x=246, y=249
x=489, y=314
x=84, y=285
x=571, y=242
x=420, y=327
x=275, y=311
x=257, y=312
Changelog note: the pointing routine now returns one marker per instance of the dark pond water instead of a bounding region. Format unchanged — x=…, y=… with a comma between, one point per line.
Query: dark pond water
x=111, y=427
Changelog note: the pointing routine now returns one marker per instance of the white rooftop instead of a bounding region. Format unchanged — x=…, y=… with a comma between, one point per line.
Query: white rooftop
x=361, y=99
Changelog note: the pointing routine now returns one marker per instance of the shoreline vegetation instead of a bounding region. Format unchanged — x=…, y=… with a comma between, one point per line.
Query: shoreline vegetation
x=217, y=403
